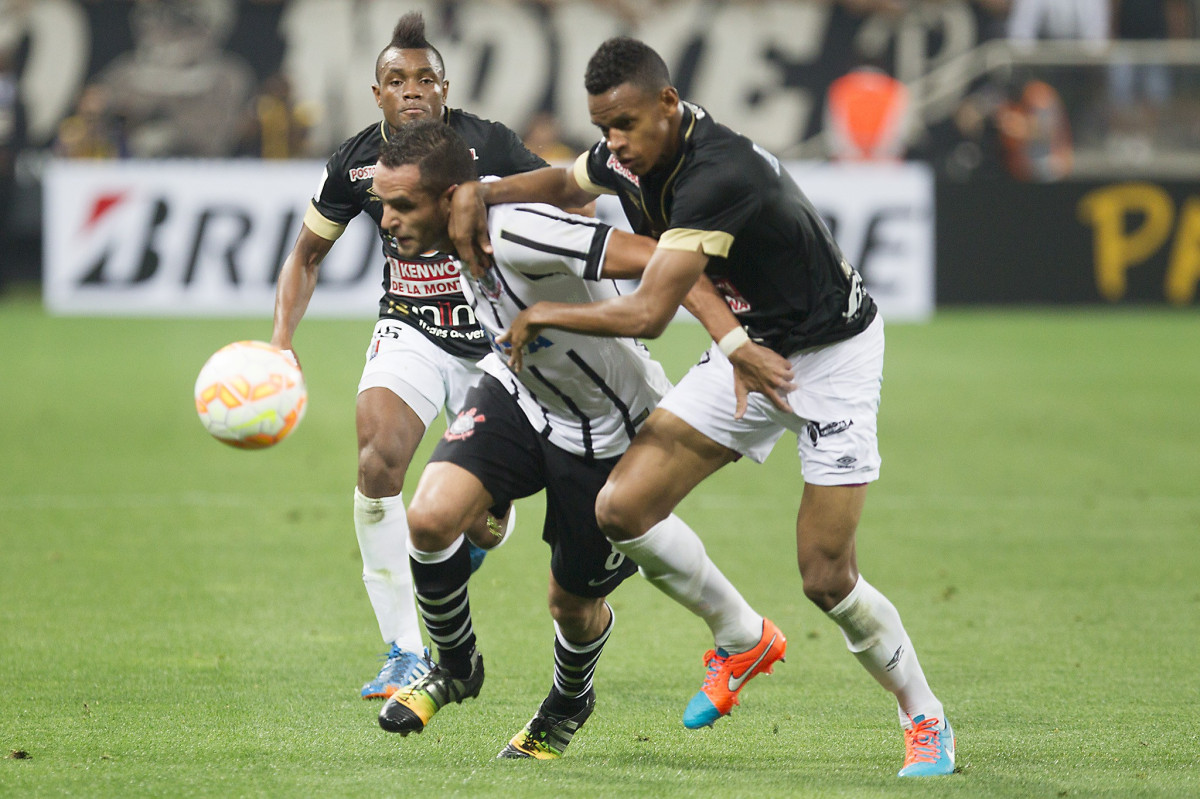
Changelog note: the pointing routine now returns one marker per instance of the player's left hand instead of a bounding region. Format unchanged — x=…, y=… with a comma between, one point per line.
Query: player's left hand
x=468, y=228
x=758, y=368
x=519, y=333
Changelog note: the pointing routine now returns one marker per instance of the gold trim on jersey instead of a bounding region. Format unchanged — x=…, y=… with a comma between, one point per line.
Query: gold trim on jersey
x=709, y=242
x=581, y=176
x=315, y=221
x=680, y=157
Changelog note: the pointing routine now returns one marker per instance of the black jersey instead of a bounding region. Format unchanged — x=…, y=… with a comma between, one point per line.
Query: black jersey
x=769, y=252
x=423, y=292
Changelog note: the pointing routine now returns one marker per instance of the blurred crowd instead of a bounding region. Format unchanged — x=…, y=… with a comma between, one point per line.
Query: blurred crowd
x=178, y=91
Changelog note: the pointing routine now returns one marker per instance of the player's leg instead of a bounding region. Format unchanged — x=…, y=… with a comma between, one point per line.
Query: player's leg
x=406, y=381
x=584, y=569
x=582, y=626
x=446, y=497
x=400, y=393
x=487, y=531
x=674, y=451
x=488, y=456
x=871, y=625
x=839, y=449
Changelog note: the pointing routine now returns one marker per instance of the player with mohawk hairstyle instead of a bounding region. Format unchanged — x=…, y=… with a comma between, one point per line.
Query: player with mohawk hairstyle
x=421, y=358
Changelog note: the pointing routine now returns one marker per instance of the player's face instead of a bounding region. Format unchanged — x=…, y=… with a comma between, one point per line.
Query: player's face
x=415, y=218
x=410, y=87
x=639, y=126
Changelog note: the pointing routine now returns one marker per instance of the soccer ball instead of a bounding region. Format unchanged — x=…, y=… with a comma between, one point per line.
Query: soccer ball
x=250, y=395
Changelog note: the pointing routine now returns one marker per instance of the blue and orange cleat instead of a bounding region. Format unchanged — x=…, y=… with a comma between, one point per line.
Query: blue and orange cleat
x=728, y=673
x=400, y=668
x=928, y=748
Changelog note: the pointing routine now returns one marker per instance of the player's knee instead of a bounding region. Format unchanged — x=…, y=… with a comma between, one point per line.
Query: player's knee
x=578, y=618
x=380, y=469
x=616, y=516
x=430, y=528
x=826, y=582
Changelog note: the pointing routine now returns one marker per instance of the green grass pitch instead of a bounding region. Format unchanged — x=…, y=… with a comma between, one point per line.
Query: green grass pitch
x=181, y=618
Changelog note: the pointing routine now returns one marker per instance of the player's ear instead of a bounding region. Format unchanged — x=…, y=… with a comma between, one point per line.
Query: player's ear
x=378, y=98
x=445, y=198
x=445, y=90
x=669, y=99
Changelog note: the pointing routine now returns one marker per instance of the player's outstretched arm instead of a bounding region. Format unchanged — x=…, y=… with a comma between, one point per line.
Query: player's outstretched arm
x=643, y=314
x=468, y=207
x=297, y=281
x=626, y=255
x=755, y=367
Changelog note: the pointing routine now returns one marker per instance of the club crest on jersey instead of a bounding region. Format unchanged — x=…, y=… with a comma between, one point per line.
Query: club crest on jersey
x=616, y=166
x=733, y=298
x=463, y=425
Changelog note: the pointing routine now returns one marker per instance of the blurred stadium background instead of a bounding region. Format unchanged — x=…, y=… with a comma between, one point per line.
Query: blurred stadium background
x=965, y=151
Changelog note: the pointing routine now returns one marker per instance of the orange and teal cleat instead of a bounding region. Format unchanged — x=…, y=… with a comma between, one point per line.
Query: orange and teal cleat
x=727, y=673
x=928, y=748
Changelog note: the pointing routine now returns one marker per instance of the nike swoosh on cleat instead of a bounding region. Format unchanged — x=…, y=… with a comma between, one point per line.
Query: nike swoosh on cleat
x=736, y=682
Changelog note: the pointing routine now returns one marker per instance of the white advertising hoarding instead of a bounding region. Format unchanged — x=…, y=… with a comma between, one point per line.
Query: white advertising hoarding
x=200, y=238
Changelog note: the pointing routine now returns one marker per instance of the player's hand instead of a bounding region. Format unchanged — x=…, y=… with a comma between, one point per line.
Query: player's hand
x=759, y=369
x=519, y=333
x=468, y=228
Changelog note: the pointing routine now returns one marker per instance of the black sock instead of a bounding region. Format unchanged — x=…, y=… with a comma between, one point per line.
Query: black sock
x=446, y=608
x=574, y=668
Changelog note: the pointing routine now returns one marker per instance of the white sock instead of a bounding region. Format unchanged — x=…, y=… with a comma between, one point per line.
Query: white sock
x=382, y=528
x=672, y=557
x=873, y=632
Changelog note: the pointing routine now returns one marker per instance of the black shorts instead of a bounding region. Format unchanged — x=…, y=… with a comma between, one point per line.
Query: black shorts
x=493, y=440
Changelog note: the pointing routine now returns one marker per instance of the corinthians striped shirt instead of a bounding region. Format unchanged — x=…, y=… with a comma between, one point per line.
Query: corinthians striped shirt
x=587, y=395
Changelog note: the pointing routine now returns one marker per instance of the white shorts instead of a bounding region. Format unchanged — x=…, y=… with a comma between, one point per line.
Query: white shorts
x=834, y=408
x=417, y=371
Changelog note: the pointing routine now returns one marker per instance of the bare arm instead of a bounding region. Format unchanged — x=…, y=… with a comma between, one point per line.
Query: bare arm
x=297, y=281
x=755, y=367
x=468, y=208
x=626, y=256
x=645, y=313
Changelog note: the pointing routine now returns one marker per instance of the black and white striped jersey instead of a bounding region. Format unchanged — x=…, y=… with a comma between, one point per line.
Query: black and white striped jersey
x=587, y=395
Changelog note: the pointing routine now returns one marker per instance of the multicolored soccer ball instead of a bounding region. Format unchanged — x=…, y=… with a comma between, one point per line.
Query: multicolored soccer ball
x=250, y=395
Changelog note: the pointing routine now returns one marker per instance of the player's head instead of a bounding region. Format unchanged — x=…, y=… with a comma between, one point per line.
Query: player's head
x=410, y=77
x=632, y=101
x=418, y=169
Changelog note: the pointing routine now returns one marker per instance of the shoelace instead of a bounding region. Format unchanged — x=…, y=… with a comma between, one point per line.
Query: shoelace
x=713, y=662
x=405, y=662
x=533, y=739
x=923, y=742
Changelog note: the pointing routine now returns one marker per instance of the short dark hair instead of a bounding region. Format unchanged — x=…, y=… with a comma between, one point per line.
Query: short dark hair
x=438, y=151
x=624, y=60
x=409, y=34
